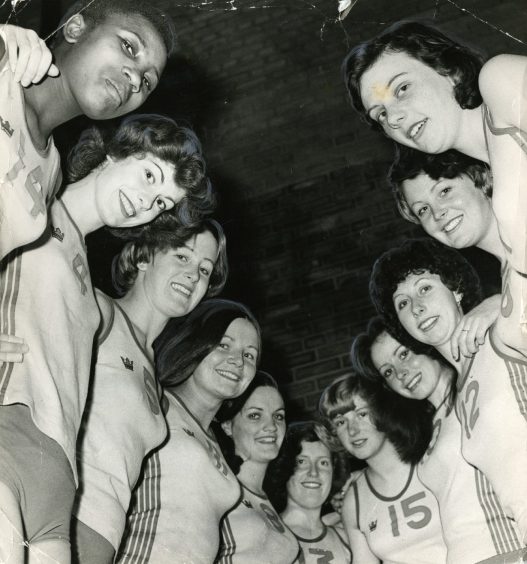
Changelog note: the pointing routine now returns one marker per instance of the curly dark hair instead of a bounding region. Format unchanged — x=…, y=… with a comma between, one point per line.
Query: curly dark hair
x=416, y=256
x=228, y=411
x=409, y=163
x=159, y=236
x=141, y=134
x=425, y=43
x=406, y=423
x=96, y=11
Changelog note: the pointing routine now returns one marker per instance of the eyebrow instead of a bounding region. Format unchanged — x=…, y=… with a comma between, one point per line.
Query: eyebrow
x=160, y=171
x=390, y=82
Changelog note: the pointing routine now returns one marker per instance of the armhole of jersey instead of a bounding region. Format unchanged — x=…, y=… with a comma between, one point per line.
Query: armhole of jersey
x=58, y=184
x=107, y=324
x=342, y=539
x=356, y=494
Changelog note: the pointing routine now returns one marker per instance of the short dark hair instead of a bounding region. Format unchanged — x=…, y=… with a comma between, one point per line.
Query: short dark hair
x=409, y=163
x=228, y=411
x=182, y=345
x=406, y=423
x=416, y=256
x=96, y=11
x=141, y=134
x=159, y=235
x=425, y=43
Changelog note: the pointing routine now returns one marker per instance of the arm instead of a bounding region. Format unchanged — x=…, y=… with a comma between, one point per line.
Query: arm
x=358, y=543
x=106, y=311
x=29, y=58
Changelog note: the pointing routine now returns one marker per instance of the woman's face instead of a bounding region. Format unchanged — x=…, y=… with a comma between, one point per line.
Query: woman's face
x=357, y=432
x=411, y=375
x=176, y=280
x=310, y=484
x=258, y=429
x=453, y=211
x=134, y=191
x=426, y=308
x=412, y=102
x=228, y=369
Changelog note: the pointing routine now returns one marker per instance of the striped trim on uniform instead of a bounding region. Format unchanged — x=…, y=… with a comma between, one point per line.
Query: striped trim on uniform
x=500, y=527
x=228, y=543
x=9, y=287
x=518, y=377
x=142, y=522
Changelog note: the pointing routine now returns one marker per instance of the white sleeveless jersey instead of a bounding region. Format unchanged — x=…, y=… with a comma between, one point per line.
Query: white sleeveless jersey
x=475, y=526
x=47, y=298
x=492, y=407
x=123, y=423
x=328, y=548
x=28, y=176
x=404, y=529
x=254, y=533
x=185, y=490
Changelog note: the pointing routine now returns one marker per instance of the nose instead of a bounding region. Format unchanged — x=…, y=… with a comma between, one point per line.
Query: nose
x=417, y=308
x=192, y=272
x=270, y=423
x=236, y=358
x=312, y=470
x=401, y=374
x=353, y=426
x=134, y=77
x=438, y=213
x=395, y=116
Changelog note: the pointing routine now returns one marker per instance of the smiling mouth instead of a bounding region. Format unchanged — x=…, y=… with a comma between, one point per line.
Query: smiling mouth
x=427, y=324
x=229, y=375
x=416, y=129
x=312, y=485
x=359, y=443
x=114, y=91
x=452, y=224
x=412, y=384
x=270, y=440
x=127, y=208
x=181, y=289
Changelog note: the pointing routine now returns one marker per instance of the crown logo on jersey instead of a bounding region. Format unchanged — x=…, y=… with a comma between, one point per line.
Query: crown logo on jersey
x=373, y=526
x=188, y=432
x=128, y=364
x=6, y=127
x=247, y=503
x=57, y=233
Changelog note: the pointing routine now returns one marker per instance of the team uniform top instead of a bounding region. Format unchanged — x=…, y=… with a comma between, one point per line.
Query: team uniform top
x=404, y=529
x=47, y=298
x=28, y=176
x=475, y=526
x=492, y=407
x=115, y=440
x=329, y=547
x=185, y=490
x=254, y=533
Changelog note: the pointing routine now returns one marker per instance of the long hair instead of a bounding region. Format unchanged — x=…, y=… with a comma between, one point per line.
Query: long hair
x=407, y=424
x=141, y=134
x=428, y=45
x=158, y=237
x=183, y=345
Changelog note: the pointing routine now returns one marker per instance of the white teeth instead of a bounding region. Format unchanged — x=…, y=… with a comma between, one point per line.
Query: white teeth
x=311, y=485
x=416, y=128
x=229, y=375
x=126, y=205
x=452, y=224
x=181, y=288
x=428, y=323
x=358, y=443
x=413, y=382
x=267, y=440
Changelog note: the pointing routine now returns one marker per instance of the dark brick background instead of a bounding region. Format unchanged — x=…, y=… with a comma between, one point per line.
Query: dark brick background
x=302, y=180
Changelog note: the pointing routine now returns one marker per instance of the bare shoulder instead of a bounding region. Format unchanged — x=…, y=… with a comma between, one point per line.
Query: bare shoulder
x=105, y=306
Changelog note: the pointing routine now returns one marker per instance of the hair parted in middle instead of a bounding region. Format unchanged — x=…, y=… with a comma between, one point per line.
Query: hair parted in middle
x=182, y=345
x=409, y=163
x=406, y=423
x=428, y=45
x=157, y=238
x=417, y=256
x=138, y=135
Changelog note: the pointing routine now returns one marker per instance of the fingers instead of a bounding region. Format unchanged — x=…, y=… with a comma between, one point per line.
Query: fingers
x=468, y=336
x=12, y=349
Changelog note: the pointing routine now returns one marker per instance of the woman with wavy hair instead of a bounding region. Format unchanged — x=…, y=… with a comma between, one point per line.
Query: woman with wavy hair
x=186, y=485
x=474, y=524
x=422, y=289
x=145, y=167
x=388, y=515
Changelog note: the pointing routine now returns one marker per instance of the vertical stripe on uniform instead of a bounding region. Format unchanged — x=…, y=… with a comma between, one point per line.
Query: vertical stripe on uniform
x=228, y=543
x=518, y=377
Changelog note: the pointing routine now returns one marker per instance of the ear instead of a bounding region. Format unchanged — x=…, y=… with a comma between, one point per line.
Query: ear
x=74, y=28
x=110, y=159
x=227, y=428
x=458, y=297
x=141, y=266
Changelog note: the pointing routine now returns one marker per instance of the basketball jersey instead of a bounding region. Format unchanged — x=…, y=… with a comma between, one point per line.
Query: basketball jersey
x=114, y=441
x=185, y=490
x=46, y=297
x=404, y=529
x=492, y=407
x=254, y=533
x=475, y=526
x=329, y=548
x=28, y=176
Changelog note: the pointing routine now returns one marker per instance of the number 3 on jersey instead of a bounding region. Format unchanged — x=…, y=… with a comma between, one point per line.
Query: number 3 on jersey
x=409, y=507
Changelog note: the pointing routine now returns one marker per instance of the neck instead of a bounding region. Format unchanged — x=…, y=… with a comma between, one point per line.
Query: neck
x=491, y=242
x=252, y=475
x=443, y=386
x=202, y=407
x=79, y=199
x=383, y=463
x=471, y=139
x=387, y=472
x=304, y=522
